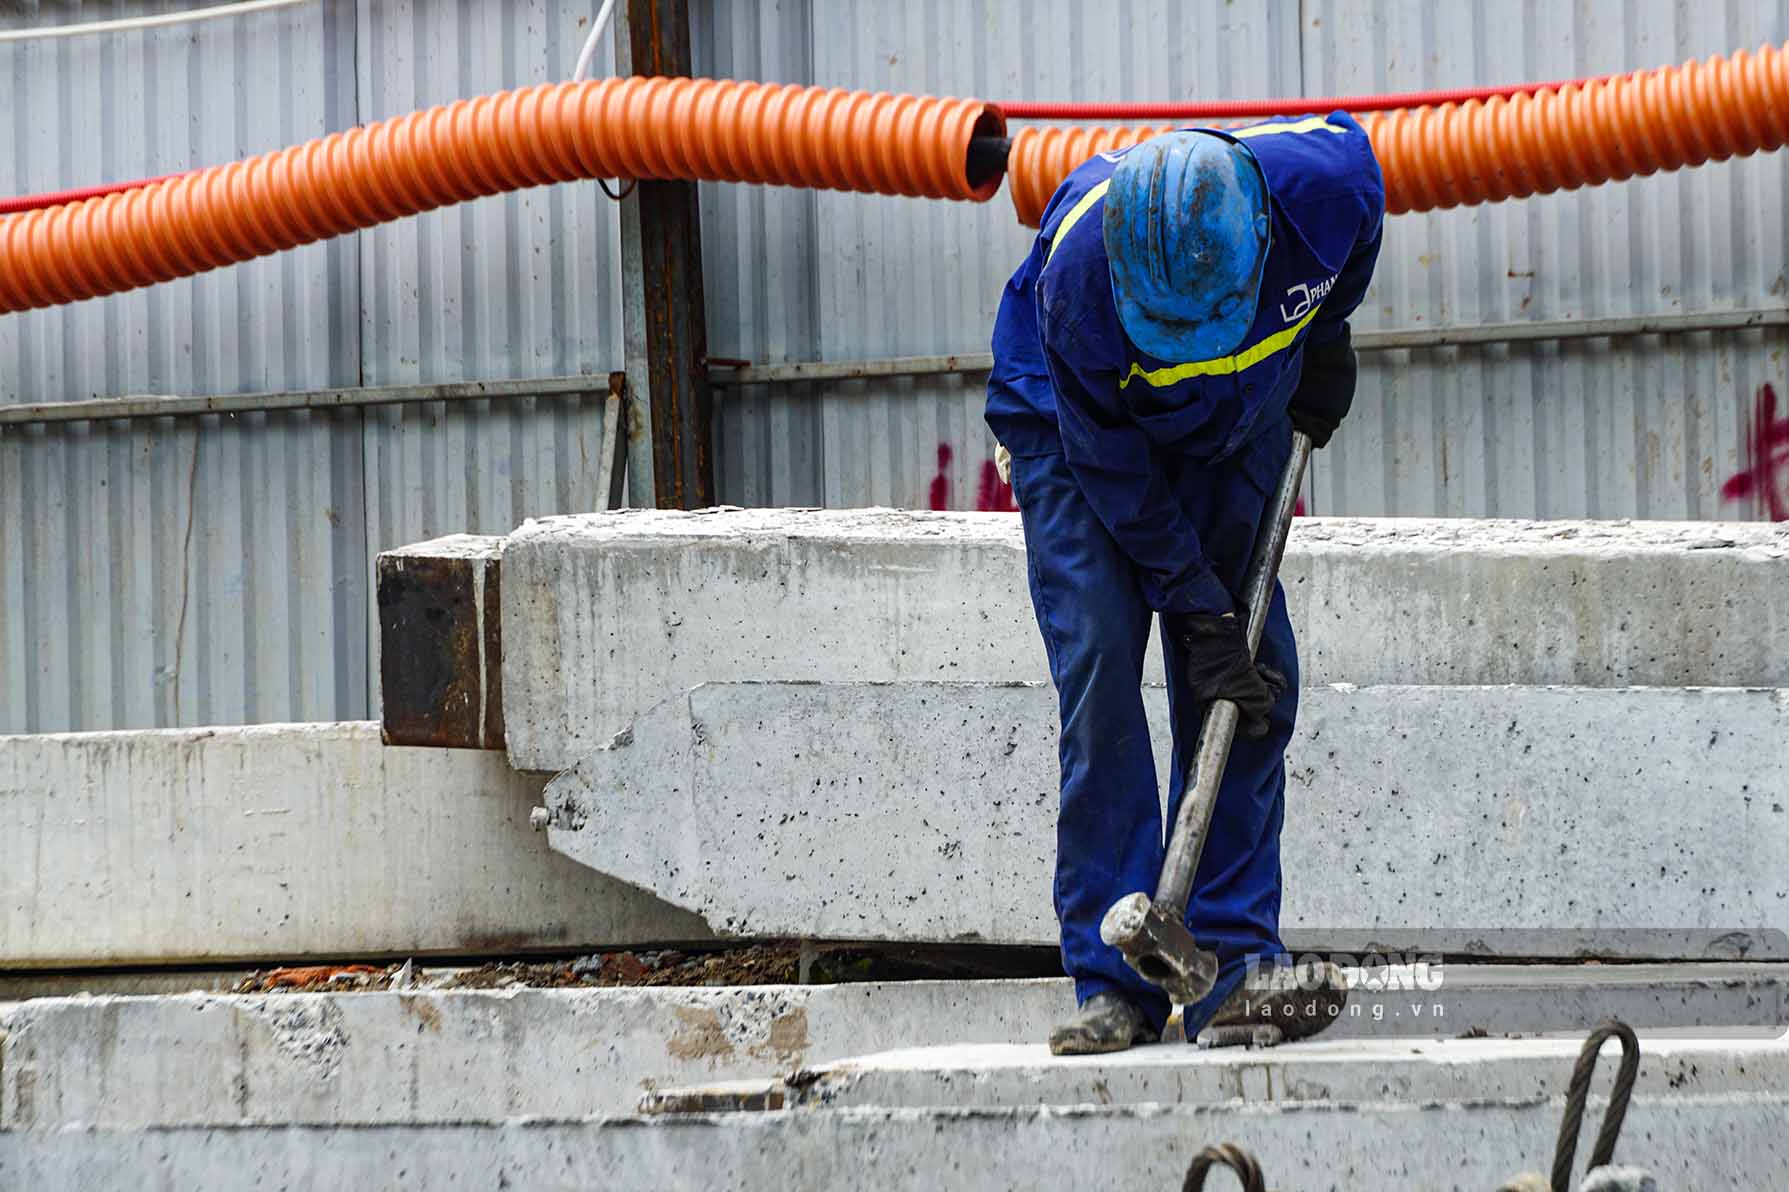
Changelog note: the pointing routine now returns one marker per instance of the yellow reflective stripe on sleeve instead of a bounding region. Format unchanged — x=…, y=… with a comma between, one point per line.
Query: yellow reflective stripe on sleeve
x=1308, y=124
x=1074, y=215
x=1279, y=341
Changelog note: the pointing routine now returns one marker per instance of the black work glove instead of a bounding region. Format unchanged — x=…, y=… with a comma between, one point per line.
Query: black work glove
x=1325, y=389
x=1218, y=666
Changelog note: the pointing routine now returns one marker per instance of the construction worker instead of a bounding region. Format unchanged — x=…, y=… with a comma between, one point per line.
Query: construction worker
x=1183, y=307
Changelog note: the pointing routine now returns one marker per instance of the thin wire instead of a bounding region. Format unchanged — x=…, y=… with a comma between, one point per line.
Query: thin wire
x=125, y=24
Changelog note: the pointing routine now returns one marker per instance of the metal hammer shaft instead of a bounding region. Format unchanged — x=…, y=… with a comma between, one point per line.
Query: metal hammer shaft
x=1187, y=841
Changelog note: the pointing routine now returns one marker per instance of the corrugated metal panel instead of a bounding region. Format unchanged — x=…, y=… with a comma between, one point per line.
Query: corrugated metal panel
x=200, y=570
x=1640, y=428
x=210, y=570
x=87, y=109
x=514, y=286
x=205, y=571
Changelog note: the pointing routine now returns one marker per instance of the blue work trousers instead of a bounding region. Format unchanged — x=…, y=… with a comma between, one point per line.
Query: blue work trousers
x=1095, y=624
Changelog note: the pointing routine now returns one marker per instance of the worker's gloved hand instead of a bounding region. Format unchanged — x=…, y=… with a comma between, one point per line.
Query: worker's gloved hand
x=1325, y=389
x=1218, y=666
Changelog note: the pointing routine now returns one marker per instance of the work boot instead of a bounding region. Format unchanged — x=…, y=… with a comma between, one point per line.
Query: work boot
x=1105, y=1022
x=1287, y=1005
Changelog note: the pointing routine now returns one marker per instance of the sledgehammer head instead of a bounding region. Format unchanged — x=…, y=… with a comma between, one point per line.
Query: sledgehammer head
x=1160, y=948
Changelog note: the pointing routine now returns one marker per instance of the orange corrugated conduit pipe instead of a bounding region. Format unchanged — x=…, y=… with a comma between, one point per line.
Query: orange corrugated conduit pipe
x=1506, y=147
x=649, y=128
x=1226, y=109
x=1478, y=151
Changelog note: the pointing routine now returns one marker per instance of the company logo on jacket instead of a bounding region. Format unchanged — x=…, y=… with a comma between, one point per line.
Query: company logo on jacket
x=1301, y=297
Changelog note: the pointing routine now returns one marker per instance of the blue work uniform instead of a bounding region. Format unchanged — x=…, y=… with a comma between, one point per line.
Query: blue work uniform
x=1140, y=483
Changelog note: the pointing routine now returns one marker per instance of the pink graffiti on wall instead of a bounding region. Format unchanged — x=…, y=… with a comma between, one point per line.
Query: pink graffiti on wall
x=939, y=498
x=1765, y=478
x=992, y=494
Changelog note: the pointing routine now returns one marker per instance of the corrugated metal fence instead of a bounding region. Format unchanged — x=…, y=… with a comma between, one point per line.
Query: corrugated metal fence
x=217, y=569
x=1641, y=427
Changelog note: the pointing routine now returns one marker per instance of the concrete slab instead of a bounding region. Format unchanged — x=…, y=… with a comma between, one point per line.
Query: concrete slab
x=605, y=615
x=285, y=842
x=434, y=1056
x=1706, y=1143
x=1353, y=1071
x=443, y=1056
x=1531, y=822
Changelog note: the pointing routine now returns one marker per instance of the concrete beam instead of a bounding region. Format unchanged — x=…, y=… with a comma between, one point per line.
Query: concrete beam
x=1494, y=821
x=285, y=842
x=365, y=1058
x=368, y=1058
x=1350, y=1072
x=607, y=614
x=1706, y=1143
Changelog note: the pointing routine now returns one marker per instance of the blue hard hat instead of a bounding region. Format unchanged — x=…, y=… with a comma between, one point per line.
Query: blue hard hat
x=1187, y=229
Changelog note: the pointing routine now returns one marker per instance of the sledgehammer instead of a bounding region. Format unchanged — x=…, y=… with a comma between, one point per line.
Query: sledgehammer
x=1152, y=932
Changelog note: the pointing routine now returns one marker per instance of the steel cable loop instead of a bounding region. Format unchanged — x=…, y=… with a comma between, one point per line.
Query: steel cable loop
x=1505, y=147
x=1225, y=1154
x=1578, y=1091
x=637, y=127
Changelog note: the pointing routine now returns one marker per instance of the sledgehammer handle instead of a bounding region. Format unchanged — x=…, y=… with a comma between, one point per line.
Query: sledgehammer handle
x=1219, y=729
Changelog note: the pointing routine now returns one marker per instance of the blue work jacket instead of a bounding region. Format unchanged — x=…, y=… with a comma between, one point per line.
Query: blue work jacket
x=1066, y=378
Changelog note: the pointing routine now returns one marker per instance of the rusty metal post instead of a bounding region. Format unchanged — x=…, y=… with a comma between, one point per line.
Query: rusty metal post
x=661, y=249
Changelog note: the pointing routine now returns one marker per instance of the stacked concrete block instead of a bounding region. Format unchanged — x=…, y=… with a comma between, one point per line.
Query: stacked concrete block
x=1717, y=1130
x=605, y=615
x=427, y=1056
x=1535, y=740
x=277, y=843
x=1526, y=821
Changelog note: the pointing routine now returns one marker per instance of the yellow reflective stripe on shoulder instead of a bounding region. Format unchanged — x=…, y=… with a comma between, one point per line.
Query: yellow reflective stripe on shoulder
x=1074, y=215
x=1279, y=341
x=1098, y=190
x=1308, y=124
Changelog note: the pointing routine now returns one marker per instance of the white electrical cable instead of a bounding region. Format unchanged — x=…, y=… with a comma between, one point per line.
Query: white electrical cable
x=588, y=54
x=125, y=24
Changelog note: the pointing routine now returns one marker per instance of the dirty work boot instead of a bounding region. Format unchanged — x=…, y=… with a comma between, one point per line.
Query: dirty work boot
x=1105, y=1022
x=1279, y=1005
